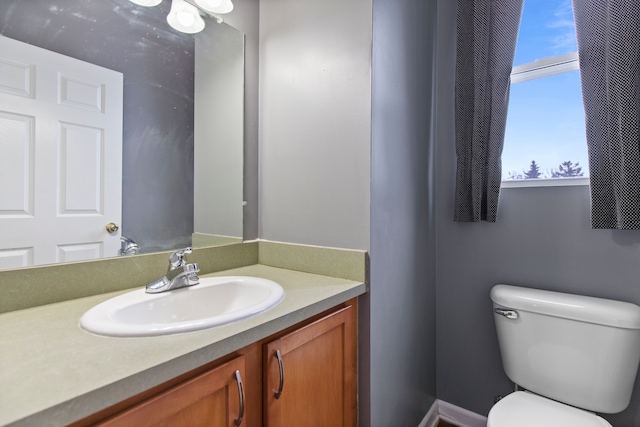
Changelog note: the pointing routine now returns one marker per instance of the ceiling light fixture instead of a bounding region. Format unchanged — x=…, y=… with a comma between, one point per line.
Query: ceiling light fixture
x=185, y=15
x=215, y=6
x=146, y=3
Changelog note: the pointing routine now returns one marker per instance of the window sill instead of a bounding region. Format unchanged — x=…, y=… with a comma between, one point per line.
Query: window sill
x=552, y=182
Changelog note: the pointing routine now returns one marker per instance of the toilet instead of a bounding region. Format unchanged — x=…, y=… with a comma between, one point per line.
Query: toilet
x=570, y=356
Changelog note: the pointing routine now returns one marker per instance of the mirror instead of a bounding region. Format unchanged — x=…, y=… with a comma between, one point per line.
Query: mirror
x=181, y=131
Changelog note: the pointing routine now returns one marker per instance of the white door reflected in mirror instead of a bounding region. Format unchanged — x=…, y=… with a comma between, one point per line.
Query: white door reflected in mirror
x=61, y=145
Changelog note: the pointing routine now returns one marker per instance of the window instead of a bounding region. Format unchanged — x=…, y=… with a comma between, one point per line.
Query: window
x=545, y=134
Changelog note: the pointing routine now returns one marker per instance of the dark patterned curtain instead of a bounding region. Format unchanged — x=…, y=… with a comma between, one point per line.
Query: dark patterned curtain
x=487, y=31
x=609, y=50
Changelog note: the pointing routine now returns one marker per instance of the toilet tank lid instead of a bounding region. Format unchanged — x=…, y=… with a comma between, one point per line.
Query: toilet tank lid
x=577, y=307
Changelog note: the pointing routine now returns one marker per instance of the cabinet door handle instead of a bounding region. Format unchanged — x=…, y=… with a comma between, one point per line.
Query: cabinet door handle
x=278, y=393
x=238, y=420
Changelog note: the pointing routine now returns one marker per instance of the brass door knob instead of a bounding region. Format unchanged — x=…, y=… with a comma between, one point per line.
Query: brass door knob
x=112, y=228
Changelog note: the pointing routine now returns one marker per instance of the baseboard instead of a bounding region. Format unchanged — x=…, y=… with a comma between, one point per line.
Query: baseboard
x=431, y=419
x=445, y=411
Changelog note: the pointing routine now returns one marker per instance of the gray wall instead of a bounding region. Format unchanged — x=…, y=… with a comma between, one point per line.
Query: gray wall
x=315, y=118
x=397, y=323
x=542, y=239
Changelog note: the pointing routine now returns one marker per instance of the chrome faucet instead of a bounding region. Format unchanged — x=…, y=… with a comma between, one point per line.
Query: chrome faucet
x=128, y=247
x=179, y=275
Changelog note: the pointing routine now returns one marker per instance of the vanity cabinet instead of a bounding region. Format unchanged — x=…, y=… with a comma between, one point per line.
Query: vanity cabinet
x=310, y=374
x=315, y=372
x=213, y=399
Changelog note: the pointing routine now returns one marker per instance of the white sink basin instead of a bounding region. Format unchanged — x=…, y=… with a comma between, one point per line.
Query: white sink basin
x=215, y=301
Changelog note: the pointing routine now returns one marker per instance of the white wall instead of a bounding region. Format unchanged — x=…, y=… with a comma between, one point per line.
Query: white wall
x=315, y=120
x=218, y=150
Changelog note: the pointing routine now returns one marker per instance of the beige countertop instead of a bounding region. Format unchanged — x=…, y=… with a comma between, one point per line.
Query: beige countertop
x=53, y=373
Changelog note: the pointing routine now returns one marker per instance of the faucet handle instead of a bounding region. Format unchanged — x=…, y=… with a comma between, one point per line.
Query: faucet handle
x=178, y=258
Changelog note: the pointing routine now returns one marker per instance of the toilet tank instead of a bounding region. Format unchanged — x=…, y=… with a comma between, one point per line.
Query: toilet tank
x=579, y=350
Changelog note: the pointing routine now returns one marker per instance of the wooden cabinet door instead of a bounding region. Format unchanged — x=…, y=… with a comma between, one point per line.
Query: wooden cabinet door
x=213, y=399
x=318, y=363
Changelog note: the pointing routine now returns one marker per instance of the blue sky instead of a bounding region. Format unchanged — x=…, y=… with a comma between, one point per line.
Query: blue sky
x=546, y=29
x=546, y=116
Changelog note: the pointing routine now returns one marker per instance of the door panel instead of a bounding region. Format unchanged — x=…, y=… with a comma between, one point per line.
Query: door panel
x=61, y=140
x=81, y=170
x=17, y=157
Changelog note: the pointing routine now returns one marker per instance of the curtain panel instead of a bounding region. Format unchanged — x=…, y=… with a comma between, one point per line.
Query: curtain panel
x=608, y=33
x=487, y=31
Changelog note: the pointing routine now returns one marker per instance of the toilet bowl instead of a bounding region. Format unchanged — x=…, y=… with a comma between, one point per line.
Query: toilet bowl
x=524, y=409
x=575, y=355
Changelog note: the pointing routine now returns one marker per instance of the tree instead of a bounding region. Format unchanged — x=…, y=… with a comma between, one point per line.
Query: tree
x=533, y=172
x=568, y=169
x=515, y=175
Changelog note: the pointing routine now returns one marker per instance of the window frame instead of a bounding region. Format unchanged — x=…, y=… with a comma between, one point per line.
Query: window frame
x=545, y=67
